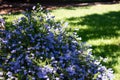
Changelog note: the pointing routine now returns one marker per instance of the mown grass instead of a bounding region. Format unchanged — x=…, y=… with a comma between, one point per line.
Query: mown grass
x=98, y=25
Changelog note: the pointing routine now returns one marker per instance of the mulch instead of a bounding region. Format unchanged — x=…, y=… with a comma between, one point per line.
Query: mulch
x=13, y=7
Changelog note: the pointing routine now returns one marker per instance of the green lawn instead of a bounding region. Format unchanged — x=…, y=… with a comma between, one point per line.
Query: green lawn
x=98, y=25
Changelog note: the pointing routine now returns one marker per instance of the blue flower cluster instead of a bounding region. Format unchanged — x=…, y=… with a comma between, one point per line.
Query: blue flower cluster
x=39, y=48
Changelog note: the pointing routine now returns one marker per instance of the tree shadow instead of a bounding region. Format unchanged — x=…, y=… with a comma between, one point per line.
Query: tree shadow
x=74, y=7
x=99, y=25
x=110, y=51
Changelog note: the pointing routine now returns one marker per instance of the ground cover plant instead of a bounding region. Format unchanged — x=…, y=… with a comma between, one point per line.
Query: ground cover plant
x=38, y=48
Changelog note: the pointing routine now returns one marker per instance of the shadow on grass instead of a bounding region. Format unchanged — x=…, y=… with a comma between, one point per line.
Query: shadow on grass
x=110, y=51
x=74, y=7
x=100, y=26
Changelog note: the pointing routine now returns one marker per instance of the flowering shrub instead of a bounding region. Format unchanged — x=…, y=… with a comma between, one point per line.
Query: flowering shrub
x=39, y=48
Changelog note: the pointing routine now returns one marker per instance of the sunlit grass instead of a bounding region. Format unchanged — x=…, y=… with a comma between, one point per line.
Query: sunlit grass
x=63, y=13
x=102, y=41
x=12, y=17
x=98, y=25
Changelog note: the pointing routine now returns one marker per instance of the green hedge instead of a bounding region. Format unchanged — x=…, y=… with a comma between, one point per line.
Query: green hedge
x=70, y=0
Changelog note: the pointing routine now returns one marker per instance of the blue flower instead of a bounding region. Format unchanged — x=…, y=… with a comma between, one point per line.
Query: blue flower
x=13, y=51
x=9, y=74
x=42, y=75
x=40, y=48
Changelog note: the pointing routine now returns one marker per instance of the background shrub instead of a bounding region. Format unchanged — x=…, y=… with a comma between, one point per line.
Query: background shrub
x=54, y=1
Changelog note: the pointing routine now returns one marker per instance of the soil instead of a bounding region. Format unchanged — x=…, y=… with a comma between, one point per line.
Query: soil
x=13, y=7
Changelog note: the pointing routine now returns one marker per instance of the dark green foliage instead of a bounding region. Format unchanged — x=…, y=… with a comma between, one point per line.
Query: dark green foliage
x=49, y=1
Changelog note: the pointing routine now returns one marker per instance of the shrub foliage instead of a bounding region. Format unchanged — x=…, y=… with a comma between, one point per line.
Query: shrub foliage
x=39, y=48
